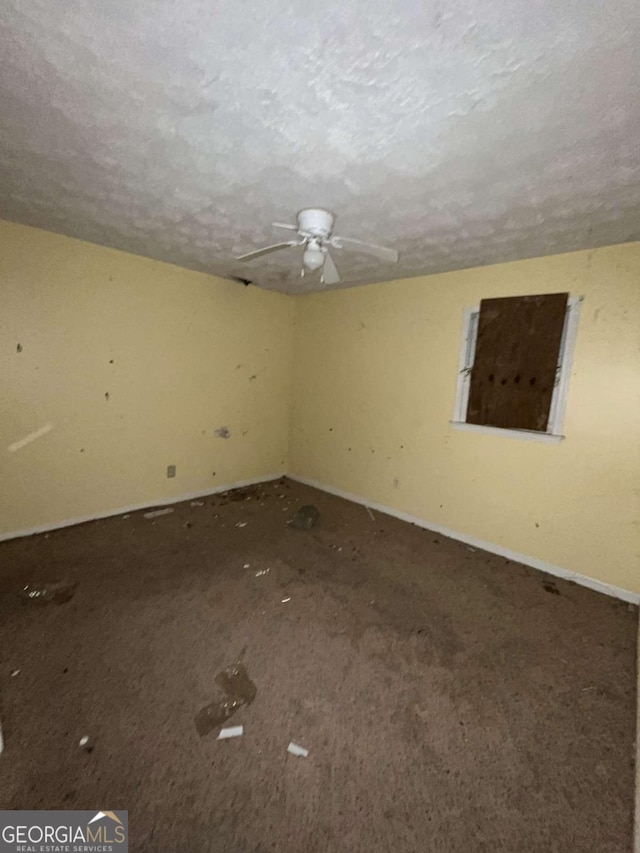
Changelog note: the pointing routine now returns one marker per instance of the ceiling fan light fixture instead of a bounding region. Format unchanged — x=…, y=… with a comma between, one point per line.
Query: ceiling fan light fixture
x=313, y=257
x=314, y=232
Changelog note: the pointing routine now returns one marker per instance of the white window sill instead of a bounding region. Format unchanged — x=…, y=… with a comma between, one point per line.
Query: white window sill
x=522, y=434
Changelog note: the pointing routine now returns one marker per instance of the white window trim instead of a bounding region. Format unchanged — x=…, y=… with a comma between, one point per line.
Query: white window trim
x=554, y=433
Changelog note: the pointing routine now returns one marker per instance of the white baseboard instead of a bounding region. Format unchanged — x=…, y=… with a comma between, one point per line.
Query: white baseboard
x=534, y=562
x=170, y=501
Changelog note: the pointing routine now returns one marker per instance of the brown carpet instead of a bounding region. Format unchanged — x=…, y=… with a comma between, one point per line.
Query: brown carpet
x=450, y=700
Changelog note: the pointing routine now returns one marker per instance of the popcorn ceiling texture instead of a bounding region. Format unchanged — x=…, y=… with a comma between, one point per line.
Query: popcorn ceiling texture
x=462, y=134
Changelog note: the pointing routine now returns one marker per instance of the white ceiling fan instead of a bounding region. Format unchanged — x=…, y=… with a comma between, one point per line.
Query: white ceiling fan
x=315, y=233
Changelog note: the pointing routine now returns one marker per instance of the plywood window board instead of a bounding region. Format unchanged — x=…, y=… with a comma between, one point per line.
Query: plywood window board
x=516, y=361
x=514, y=366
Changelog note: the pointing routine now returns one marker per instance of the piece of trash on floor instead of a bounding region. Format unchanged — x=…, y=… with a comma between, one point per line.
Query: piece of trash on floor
x=284, y=600
x=86, y=743
x=158, y=512
x=231, y=731
x=238, y=690
x=59, y=591
x=304, y=518
x=262, y=572
x=196, y=503
x=300, y=751
x=15, y=672
x=241, y=524
x=371, y=515
x=469, y=548
x=247, y=566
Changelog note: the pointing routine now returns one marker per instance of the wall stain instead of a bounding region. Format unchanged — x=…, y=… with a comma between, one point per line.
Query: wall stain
x=223, y=432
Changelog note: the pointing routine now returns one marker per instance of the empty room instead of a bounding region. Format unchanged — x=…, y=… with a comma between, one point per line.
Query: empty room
x=319, y=426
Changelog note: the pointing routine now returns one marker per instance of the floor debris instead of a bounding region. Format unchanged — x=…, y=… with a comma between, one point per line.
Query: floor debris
x=262, y=572
x=231, y=731
x=247, y=566
x=158, y=512
x=196, y=503
x=59, y=591
x=371, y=515
x=304, y=518
x=86, y=743
x=242, y=523
x=15, y=672
x=284, y=600
x=238, y=690
x=300, y=751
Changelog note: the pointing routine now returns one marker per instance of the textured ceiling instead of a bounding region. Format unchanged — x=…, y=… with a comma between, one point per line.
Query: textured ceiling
x=460, y=133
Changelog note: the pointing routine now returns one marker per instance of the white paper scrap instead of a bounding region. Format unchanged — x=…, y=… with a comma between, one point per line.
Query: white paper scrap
x=294, y=749
x=158, y=512
x=230, y=731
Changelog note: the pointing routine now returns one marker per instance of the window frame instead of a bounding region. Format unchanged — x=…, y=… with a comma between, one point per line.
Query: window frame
x=554, y=433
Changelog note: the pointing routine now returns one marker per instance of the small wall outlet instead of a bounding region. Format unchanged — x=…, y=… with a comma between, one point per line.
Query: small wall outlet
x=171, y=470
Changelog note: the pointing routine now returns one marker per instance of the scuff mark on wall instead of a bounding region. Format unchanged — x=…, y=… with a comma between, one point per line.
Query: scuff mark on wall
x=223, y=432
x=33, y=436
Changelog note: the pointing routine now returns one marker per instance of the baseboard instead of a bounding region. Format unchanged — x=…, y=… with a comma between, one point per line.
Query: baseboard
x=534, y=562
x=170, y=501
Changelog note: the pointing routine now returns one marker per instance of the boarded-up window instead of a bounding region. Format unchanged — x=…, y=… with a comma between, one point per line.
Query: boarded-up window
x=516, y=358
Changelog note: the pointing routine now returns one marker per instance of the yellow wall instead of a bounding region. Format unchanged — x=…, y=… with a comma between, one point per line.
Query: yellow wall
x=374, y=386
x=190, y=352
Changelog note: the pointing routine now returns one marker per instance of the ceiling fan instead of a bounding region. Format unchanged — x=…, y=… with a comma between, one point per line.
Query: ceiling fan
x=315, y=233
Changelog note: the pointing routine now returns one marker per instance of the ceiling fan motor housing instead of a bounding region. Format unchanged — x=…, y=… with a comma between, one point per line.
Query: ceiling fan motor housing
x=316, y=221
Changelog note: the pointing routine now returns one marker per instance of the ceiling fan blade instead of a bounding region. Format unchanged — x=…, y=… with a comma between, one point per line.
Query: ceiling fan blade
x=284, y=225
x=259, y=252
x=381, y=252
x=330, y=274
